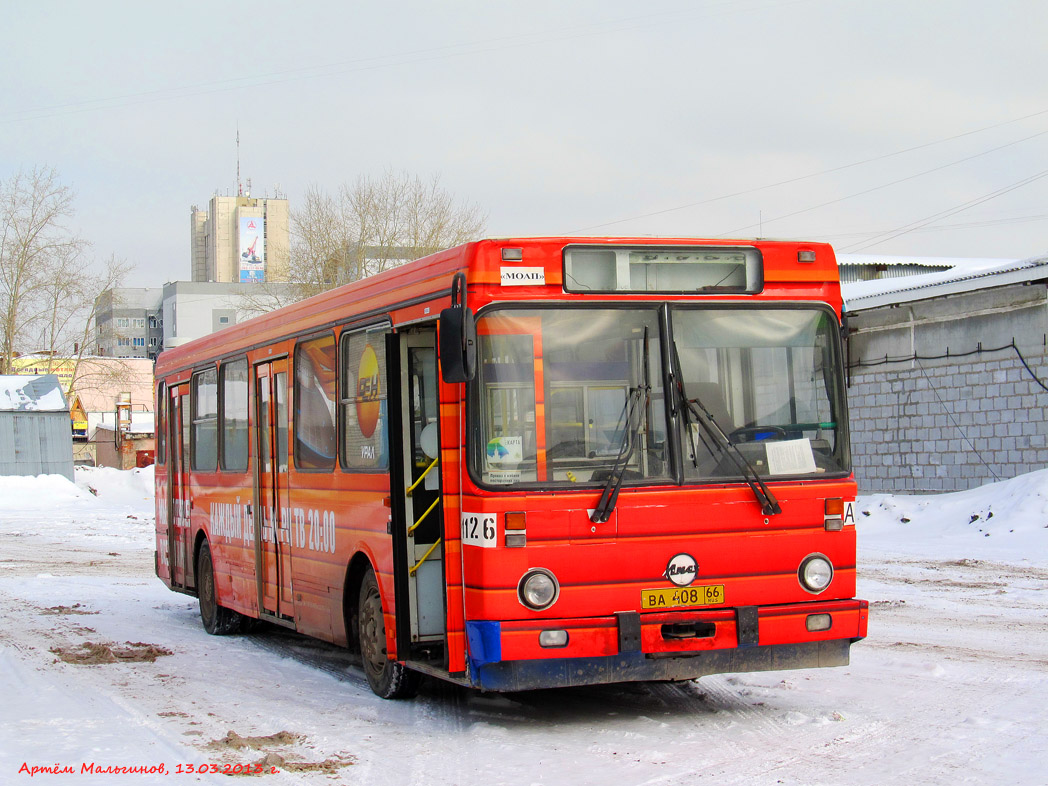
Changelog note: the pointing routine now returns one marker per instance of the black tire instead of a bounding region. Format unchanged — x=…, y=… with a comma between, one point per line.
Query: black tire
x=217, y=620
x=387, y=678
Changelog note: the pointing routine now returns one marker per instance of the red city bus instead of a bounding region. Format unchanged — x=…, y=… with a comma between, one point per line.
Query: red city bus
x=527, y=463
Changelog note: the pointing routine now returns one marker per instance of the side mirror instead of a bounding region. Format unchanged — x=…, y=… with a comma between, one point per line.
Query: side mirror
x=458, y=336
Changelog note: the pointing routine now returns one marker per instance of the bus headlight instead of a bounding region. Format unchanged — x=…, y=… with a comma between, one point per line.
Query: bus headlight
x=815, y=573
x=538, y=589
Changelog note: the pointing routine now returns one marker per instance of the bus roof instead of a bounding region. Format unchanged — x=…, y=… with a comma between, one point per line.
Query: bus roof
x=500, y=268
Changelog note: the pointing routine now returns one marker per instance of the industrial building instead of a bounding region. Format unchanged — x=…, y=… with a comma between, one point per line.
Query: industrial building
x=948, y=376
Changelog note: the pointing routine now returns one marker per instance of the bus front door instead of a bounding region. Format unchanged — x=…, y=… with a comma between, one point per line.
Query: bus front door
x=420, y=559
x=271, y=523
x=179, y=552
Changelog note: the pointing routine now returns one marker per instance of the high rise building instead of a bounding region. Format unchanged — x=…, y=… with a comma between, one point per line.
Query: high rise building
x=240, y=239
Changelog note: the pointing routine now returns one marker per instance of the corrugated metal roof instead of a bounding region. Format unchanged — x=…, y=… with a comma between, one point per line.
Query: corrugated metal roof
x=966, y=276
x=31, y=394
x=864, y=260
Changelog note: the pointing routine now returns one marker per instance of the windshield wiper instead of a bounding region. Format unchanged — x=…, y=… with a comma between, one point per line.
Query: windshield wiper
x=627, y=445
x=694, y=408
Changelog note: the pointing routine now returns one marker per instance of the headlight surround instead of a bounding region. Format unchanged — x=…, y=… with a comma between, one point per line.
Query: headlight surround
x=538, y=589
x=815, y=573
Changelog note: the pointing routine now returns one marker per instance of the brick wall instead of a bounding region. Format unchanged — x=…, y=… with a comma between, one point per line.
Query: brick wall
x=948, y=425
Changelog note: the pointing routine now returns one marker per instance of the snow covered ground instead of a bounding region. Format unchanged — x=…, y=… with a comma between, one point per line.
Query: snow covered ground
x=101, y=664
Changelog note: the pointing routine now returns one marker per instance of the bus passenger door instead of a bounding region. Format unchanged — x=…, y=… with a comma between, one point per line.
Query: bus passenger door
x=271, y=514
x=179, y=552
x=421, y=562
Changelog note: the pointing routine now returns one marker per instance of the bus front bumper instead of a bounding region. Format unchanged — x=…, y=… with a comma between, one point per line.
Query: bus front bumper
x=630, y=647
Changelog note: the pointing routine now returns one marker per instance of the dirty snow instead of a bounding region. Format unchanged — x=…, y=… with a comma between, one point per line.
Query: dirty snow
x=951, y=687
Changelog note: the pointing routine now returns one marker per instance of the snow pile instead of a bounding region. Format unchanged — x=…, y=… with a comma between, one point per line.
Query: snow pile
x=95, y=488
x=1005, y=521
x=42, y=492
x=115, y=487
x=41, y=393
x=105, y=507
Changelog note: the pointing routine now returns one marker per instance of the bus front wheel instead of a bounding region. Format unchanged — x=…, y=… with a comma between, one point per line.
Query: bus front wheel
x=387, y=678
x=217, y=620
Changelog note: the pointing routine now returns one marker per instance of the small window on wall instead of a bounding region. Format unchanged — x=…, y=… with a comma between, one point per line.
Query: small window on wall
x=233, y=378
x=315, y=404
x=161, y=424
x=204, y=436
x=365, y=445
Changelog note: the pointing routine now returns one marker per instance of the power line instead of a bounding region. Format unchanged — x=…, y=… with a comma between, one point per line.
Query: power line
x=889, y=184
x=811, y=175
x=933, y=227
x=891, y=235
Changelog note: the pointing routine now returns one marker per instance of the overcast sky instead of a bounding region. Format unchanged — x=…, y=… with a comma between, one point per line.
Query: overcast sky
x=841, y=120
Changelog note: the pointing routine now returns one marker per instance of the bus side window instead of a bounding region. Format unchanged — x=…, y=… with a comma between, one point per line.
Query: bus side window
x=233, y=415
x=161, y=424
x=364, y=403
x=315, y=440
x=204, y=436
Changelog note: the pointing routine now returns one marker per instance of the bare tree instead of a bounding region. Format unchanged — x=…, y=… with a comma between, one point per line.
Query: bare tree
x=323, y=241
x=49, y=289
x=36, y=250
x=73, y=300
x=372, y=225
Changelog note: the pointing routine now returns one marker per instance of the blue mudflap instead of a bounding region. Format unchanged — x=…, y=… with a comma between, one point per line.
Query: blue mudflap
x=485, y=643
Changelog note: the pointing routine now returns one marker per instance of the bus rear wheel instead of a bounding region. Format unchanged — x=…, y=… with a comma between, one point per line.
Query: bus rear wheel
x=217, y=620
x=387, y=678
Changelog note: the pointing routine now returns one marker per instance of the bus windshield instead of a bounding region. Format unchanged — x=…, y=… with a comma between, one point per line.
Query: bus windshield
x=575, y=395
x=564, y=392
x=769, y=379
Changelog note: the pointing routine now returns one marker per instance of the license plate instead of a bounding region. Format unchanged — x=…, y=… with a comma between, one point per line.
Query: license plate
x=679, y=597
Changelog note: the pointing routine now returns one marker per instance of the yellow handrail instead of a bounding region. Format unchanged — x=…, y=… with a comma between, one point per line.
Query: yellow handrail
x=420, y=478
x=417, y=565
x=422, y=518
